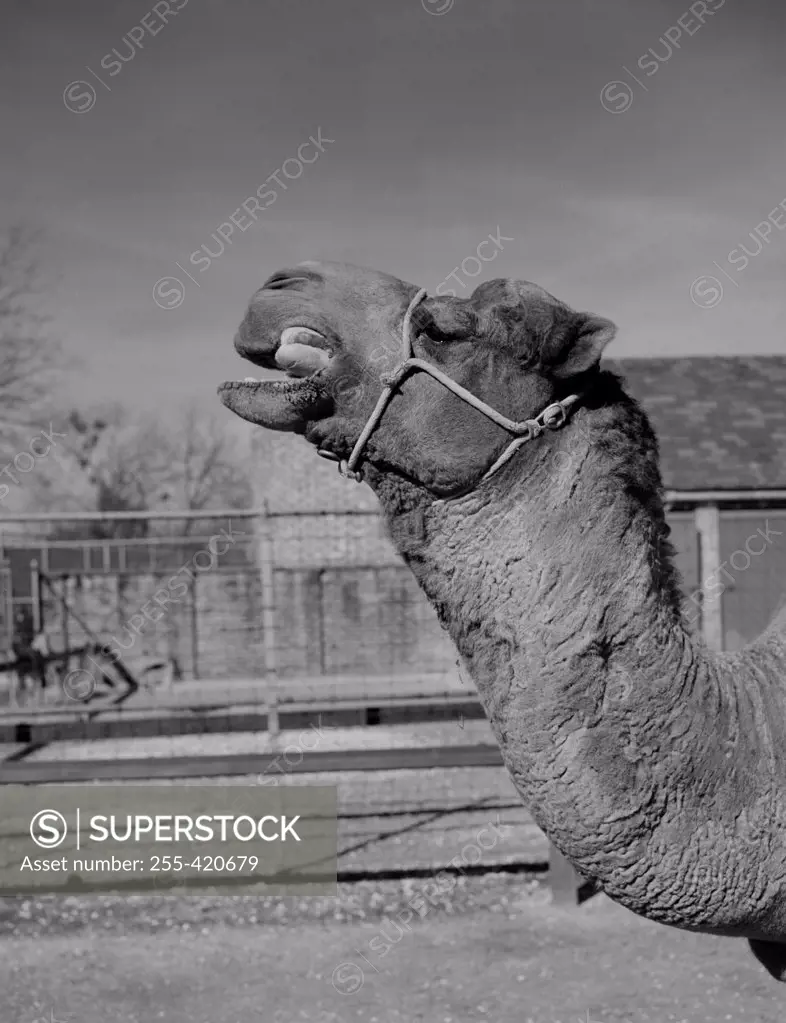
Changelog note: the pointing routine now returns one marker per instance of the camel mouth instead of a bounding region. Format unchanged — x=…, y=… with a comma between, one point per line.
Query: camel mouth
x=302, y=354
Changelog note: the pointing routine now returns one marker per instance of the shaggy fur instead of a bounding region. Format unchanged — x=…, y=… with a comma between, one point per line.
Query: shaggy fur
x=656, y=766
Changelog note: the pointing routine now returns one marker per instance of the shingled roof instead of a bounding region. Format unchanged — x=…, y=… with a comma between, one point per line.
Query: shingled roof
x=721, y=421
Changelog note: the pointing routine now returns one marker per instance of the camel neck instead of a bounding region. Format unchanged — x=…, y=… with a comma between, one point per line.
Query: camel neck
x=570, y=558
x=571, y=567
x=557, y=585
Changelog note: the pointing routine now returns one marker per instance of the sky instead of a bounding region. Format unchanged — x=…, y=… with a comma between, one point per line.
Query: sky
x=448, y=120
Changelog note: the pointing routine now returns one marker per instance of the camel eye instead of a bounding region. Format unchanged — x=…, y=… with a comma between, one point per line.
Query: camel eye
x=442, y=327
x=439, y=337
x=431, y=337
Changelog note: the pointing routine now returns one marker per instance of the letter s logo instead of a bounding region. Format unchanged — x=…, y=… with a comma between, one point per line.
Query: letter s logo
x=48, y=829
x=79, y=102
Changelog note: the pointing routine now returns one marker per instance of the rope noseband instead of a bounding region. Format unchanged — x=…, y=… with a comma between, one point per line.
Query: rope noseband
x=551, y=418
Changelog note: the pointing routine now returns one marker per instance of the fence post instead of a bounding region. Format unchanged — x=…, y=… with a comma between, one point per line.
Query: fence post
x=564, y=882
x=194, y=628
x=707, y=519
x=35, y=595
x=267, y=575
x=6, y=606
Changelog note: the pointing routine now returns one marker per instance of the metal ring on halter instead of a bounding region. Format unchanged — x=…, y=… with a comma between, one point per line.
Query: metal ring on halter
x=347, y=473
x=343, y=468
x=554, y=416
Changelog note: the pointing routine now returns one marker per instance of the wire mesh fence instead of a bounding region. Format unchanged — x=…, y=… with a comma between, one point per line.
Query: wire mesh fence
x=287, y=607
x=348, y=615
x=182, y=592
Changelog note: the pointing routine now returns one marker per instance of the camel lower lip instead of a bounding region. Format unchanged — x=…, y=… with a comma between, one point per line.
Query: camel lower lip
x=289, y=384
x=286, y=404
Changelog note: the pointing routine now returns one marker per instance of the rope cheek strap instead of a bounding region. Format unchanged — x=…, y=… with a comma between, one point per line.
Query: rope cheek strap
x=551, y=418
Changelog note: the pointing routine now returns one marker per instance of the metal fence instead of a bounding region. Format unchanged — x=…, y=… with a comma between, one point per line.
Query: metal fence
x=304, y=605
x=182, y=590
x=246, y=604
x=345, y=607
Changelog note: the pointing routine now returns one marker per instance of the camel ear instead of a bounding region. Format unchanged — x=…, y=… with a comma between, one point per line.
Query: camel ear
x=589, y=337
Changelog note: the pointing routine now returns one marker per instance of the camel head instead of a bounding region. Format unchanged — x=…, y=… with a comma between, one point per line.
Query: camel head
x=335, y=331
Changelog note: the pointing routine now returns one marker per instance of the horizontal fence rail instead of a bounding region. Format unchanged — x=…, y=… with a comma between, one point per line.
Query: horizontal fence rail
x=312, y=605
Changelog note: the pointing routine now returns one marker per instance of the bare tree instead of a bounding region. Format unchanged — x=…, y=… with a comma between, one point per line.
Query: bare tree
x=27, y=357
x=112, y=463
x=203, y=471
x=113, y=458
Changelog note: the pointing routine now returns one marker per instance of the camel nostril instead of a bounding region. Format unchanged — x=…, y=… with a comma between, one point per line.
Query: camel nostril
x=280, y=282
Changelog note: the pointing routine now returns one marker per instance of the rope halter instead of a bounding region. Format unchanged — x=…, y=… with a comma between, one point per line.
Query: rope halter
x=551, y=418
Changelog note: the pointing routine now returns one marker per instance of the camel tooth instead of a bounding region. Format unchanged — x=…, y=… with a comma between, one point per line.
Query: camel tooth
x=301, y=360
x=291, y=335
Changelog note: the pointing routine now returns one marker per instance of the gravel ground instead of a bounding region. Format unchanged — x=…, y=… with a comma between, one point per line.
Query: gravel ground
x=489, y=948
x=149, y=914
x=494, y=951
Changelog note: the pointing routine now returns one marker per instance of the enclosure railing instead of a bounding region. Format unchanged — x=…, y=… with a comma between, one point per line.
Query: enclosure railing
x=256, y=607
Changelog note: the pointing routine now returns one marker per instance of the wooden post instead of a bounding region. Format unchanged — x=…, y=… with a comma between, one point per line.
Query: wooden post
x=194, y=628
x=708, y=527
x=267, y=575
x=565, y=883
x=35, y=595
x=321, y=620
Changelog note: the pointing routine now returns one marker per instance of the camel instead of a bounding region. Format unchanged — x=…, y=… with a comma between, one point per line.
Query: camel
x=521, y=485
